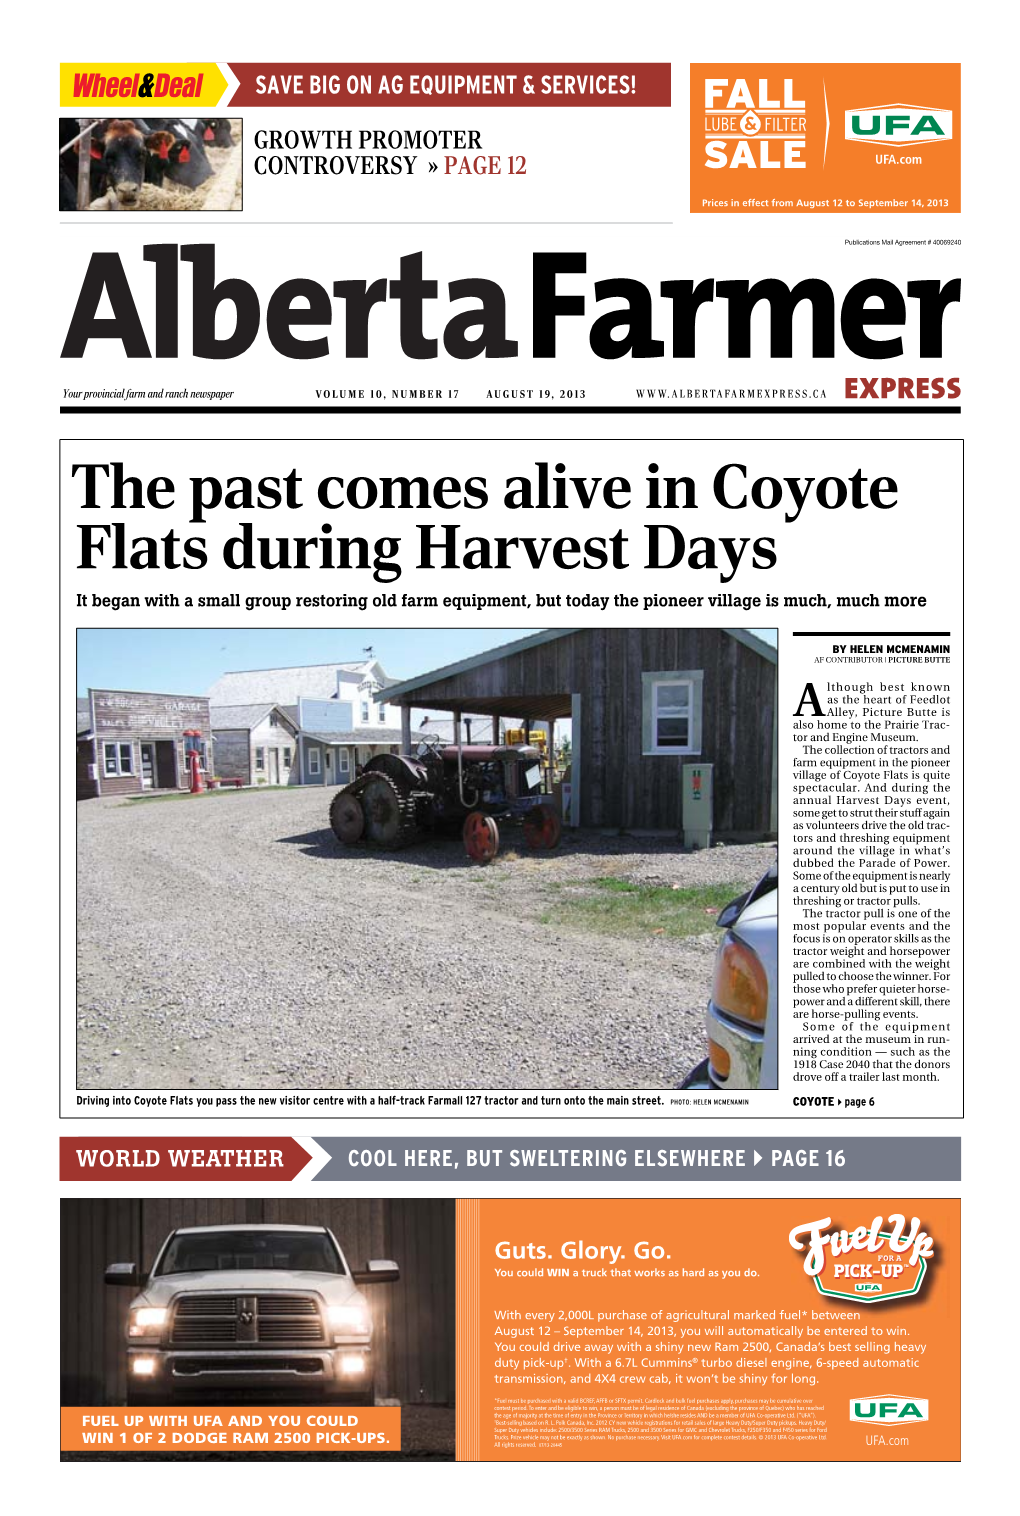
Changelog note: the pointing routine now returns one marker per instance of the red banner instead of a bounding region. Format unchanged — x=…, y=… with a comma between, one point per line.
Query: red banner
x=452, y=84
x=187, y=1158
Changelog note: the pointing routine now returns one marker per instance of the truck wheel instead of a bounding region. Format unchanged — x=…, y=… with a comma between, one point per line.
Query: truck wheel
x=481, y=837
x=347, y=818
x=542, y=828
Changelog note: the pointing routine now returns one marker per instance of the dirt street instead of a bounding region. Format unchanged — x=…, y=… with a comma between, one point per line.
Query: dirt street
x=229, y=942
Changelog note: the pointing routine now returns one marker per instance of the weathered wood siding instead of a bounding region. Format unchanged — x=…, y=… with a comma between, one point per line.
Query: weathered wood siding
x=620, y=786
x=232, y=751
x=414, y=1319
x=87, y=789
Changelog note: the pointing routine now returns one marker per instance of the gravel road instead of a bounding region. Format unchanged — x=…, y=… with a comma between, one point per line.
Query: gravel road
x=229, y=943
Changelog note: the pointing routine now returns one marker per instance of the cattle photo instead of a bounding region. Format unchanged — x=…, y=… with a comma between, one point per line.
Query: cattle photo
x=157, y=163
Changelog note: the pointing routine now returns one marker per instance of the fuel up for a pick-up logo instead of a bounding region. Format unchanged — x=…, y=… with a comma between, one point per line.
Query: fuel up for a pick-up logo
x=885, y=1260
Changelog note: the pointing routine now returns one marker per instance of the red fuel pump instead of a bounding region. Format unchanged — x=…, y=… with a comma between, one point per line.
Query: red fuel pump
x=192, y=745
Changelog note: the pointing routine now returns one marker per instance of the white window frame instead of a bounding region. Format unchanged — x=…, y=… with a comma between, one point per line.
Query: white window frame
x=382, y=715
x=122, y=767
x=314, y=761
x=652, y=682
x=365, y=713
x=343, y=762
x=260, y=760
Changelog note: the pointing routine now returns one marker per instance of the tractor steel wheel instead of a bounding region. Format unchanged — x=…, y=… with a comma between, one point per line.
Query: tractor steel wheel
x=384, y=816
x=481, y=837
x=347, y=818
x=542, y=828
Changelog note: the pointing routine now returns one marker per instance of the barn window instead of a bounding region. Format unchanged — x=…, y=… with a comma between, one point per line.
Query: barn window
x=260, y=760
x=313, y=760
x=117, y=759
x=671, y=712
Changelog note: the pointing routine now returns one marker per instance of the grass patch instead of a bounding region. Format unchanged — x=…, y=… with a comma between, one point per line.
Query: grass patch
x=259, y=789
x=615, y=907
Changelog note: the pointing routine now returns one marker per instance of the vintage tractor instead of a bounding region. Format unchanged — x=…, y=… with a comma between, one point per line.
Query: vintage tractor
x=395, y=799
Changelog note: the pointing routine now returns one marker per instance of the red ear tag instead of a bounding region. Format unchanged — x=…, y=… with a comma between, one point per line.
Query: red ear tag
x=185, y=155
x=94, y=151
x=164, y=151
x=209, y=134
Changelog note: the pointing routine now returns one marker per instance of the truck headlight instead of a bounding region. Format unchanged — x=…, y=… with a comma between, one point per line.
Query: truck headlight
x=143, y=1366
x=147, y=1321
x=348, y=1318
x=740, y=986
x=352, y=1364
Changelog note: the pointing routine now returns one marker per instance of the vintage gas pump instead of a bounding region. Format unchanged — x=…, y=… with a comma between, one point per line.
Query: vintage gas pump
x=193, y=758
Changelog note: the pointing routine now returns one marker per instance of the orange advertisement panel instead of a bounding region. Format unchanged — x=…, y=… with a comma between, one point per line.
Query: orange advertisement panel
x=830, y=138
x=230, y=1429
x=798, y=1329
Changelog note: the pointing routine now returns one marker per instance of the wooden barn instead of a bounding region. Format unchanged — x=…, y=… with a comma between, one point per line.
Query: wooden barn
x=641, y=701
x=414, y=1318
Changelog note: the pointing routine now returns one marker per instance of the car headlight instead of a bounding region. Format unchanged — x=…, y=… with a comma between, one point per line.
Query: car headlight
x=351, y=1318
x=740, y=986
x=146, y=1320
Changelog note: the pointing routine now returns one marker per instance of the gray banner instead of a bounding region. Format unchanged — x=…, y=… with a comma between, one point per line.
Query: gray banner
x=903, y=1160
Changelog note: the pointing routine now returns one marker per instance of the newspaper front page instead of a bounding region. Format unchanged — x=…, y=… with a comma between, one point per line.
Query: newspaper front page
x=508, y=572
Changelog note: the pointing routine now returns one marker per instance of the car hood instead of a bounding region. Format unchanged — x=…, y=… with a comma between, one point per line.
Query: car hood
x=337, y=1289
x=765, y=907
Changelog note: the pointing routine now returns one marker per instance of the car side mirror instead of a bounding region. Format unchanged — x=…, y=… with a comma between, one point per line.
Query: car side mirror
x=123, y=1273
x=378, y=1271
x=729, y=913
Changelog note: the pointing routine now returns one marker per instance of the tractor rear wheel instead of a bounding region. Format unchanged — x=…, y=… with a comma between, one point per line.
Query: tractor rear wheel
x=481, y=837
x=347, y=817
x=389, y=815
x=542, y=828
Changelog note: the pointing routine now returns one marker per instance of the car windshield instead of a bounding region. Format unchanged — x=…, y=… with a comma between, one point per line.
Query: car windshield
x=207, y=1252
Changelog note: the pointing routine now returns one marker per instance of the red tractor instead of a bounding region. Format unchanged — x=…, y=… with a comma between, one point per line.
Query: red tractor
x=473, y=788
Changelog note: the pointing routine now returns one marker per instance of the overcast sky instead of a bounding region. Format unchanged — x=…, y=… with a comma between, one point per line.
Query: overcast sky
x=187, y=661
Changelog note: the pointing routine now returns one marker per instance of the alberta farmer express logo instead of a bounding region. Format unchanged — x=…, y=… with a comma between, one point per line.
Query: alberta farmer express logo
x=885, y=1260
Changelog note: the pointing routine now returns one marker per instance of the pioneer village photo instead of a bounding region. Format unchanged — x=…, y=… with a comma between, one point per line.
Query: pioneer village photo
x=541, y=860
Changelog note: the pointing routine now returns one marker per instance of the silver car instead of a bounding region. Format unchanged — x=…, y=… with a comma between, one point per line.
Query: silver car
x=743, y=1033
x=236, y=1312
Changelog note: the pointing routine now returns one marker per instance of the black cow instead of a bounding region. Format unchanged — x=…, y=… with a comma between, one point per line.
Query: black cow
x=216, y=131
x=124, y=157
x=188, y=164
x=69, y=130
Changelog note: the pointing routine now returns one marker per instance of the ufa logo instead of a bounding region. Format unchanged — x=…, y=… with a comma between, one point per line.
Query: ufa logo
x=915, y=124
x=889, y=1408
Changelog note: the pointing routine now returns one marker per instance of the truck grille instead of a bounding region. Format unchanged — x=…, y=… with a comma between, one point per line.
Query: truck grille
x=286, y=1319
